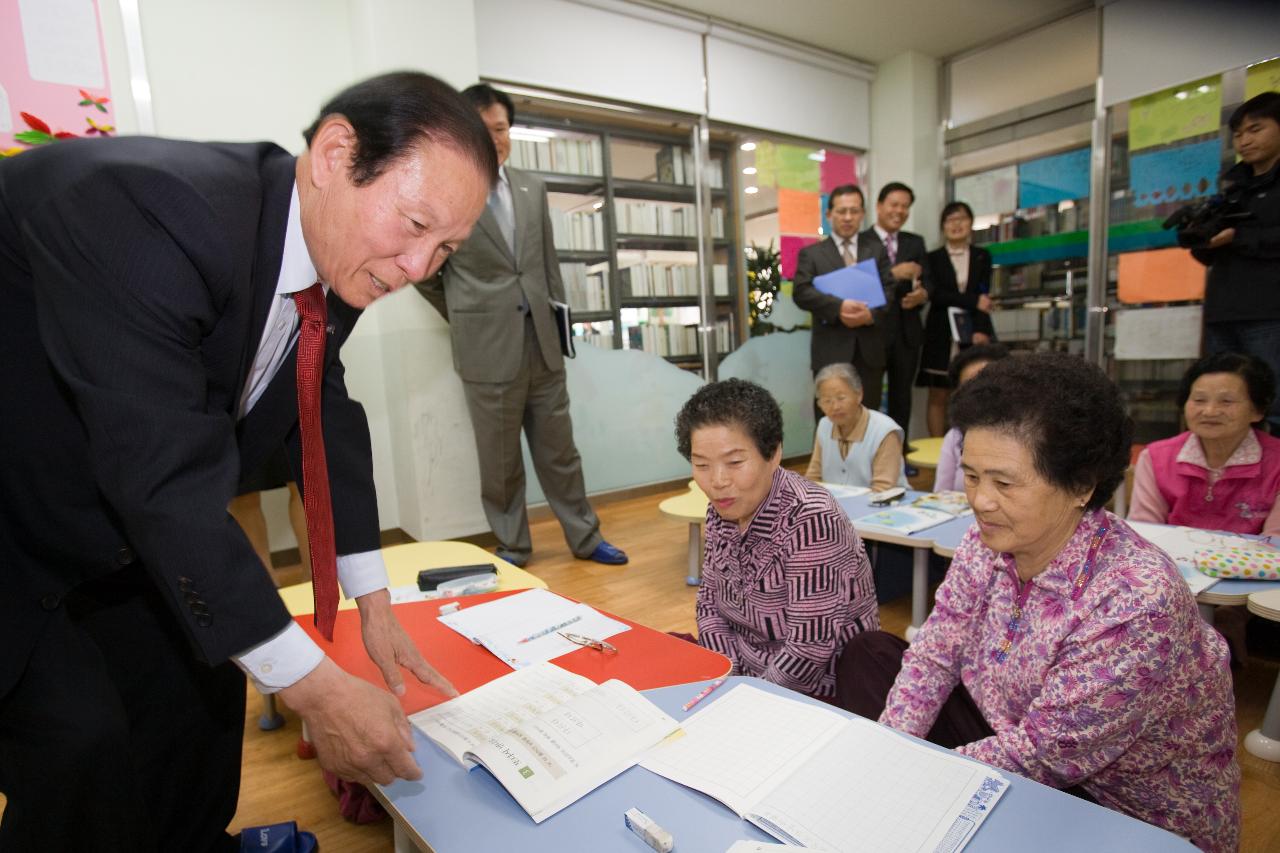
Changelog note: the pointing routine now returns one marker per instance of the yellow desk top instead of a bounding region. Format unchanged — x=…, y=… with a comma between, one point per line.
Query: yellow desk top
x=926, y=453
x=689, y=507
x=405, y=561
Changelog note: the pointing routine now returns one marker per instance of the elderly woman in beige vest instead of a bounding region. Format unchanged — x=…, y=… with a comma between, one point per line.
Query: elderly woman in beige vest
x=853, y=445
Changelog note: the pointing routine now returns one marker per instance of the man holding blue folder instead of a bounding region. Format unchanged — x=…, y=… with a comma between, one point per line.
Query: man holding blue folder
x=846, y=329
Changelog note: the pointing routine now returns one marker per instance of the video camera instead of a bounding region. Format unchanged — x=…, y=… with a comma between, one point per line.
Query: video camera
x=1200, y=221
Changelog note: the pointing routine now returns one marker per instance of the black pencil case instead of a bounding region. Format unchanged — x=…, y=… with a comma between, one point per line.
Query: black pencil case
x=429, y=579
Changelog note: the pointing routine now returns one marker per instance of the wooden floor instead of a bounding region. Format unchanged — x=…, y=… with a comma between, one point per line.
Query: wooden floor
x=278, y=786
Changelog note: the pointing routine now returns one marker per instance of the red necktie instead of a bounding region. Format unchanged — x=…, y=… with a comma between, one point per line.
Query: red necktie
x=315, y=471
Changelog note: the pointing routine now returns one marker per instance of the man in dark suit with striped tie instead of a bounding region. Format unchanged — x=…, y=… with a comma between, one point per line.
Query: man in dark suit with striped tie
x=173, y=313
x=845, y=330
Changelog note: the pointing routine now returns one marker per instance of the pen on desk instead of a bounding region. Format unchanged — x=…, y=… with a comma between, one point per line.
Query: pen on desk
x=545, y=631
x=704, y=693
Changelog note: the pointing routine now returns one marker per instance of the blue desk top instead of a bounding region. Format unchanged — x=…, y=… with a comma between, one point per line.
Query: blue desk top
x=456, y=811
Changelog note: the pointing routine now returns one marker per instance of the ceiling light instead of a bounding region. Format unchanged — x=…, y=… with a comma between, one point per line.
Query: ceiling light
x=1181, y=96
x=748, y=146
x=1203, y=89
x=750, y=170
x=597, y=205
x=751, y=190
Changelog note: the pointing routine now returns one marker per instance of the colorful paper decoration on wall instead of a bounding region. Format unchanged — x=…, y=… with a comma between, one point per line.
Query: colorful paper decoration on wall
x=837, y=169
x=1172, y=332
x=1174, y=174
x=995, y=191
x=799, y=212
x=1182, y=112
x=1049, y=180
x=766, y=164
x=796, y=169
x=789, y=250
x=52, y=68
x=1161, y=275
x=1263, y=77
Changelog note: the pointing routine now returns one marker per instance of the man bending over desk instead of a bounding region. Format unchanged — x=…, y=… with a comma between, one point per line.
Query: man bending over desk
x=172, y=315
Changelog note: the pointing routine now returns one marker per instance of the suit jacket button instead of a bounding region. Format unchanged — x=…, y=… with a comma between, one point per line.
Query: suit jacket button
x=125, y=556
x=204, y=620
x=50, y=602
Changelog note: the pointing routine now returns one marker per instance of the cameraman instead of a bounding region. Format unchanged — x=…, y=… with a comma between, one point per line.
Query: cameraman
x=1242, y=294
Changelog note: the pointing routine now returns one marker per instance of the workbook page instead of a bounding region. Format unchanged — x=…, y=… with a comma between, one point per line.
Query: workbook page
x=558, y=757
x=871, y=789
x=465, y=722
x=743, y=744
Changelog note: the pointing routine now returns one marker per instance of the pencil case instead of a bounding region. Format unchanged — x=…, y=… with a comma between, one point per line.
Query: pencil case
x=1244, y=562
x=429, y=579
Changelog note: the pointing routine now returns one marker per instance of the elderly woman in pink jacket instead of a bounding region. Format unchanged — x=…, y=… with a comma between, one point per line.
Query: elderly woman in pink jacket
x=1223, y=473
x=1063, y=646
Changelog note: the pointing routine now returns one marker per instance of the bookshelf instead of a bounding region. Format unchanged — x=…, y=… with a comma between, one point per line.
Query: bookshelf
x=623, y=213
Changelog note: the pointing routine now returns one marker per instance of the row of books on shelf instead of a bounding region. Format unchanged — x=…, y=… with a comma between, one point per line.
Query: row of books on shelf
x=673, y=340
x=653, y=278
x=675, y=166
x=587, y=291
x=663, y=220
x=558, y=154
x=578, y=230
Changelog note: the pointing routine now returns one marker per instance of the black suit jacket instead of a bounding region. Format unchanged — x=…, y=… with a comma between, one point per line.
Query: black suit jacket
x=135, y=279
x=945, y=293
x=832, y=340
x=901, y=323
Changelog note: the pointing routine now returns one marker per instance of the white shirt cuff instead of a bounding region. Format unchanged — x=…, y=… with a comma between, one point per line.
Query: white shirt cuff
x=362, y=573
x=281, y=661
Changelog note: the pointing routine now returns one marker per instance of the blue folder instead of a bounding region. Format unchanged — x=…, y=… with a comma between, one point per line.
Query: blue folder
x=860, y=281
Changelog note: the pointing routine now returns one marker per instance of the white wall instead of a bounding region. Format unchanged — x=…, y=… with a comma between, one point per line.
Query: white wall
x=1050, y=60
x=1149, y=45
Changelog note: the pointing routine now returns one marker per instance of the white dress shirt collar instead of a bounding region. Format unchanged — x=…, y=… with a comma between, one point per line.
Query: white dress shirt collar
x=297, y=272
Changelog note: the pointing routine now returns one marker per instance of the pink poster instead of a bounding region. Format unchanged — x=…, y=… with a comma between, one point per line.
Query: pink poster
x=789, y=251
x=53, y=69
x=838, y=169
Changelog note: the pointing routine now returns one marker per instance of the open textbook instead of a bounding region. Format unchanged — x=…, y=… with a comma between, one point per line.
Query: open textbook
x=928, y=510
x=813, y=777
x=547, y=735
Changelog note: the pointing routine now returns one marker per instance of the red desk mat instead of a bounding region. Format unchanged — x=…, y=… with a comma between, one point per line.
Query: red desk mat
x=645, y=659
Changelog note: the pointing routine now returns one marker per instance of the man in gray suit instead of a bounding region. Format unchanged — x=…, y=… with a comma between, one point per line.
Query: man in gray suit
x=496, y=292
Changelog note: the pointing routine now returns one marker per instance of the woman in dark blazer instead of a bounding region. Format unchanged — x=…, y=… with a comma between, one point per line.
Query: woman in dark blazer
x=959, y=276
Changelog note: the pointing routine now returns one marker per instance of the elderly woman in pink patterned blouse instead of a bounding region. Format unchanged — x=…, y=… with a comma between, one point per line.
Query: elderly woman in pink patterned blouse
x=785, y=580
x=1062, y=645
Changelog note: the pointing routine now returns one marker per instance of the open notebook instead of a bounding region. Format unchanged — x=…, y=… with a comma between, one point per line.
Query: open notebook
x=813, y=777
x=549, y=736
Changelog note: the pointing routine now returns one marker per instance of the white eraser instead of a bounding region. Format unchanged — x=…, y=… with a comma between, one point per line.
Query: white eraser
x=650, y=833
x=446, y=609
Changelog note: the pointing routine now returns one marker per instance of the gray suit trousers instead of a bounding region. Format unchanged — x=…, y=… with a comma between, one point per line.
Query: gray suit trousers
x=537, y=400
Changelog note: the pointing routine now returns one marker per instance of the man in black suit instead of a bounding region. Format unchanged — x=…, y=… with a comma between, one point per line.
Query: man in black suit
x=845, y=330
x=903, y=330
x=151, y=292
